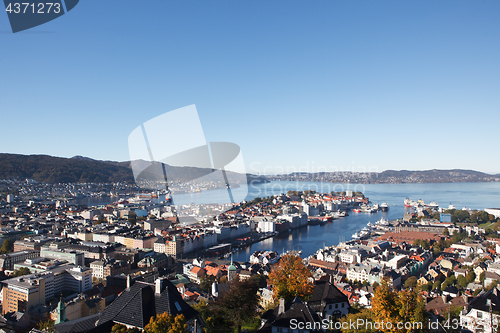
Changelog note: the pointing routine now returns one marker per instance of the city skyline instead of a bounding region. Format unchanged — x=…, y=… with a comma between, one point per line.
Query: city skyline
x=342, y=86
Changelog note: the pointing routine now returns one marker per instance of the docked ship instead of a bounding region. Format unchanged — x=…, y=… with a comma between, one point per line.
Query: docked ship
x=433, y=204
x=407, y=202
x=384, y=207
x=339, y=213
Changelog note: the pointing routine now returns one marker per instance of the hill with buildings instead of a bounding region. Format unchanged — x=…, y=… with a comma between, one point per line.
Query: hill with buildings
x=392, y=176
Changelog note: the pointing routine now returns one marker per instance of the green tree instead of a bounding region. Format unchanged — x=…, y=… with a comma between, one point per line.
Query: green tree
x=206, y=283
x=462, y=281
x=290, y=278
x=213, y=317
x=427, y=286
x=165, y=323
x=132, y=218
x=21, y=271
x=445, y=285
x=47, y=326
x=7, y=246
x=471, y=276
x=453, y=315
x=436, y=285
x=411, y=282
x=240, y=303
x=446, y=232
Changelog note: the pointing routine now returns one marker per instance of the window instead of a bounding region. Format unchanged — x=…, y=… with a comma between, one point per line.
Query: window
x=343, y=304
x=336, y=306
x=479, y=314
x=177, y=305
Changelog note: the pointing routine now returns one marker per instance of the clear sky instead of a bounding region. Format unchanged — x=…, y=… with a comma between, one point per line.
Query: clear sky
x=322, y=84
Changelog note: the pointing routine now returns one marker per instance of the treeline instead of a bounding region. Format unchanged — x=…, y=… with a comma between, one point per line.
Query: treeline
x=476, y=216
x=49, y=169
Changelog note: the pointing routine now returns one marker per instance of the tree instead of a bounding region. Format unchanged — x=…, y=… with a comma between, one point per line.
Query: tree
x=365, y=316
x=391, y=307
x=411, y=282
x=206, y=283
x=240, y=303
x=132, y=218
x=445, y=285
x=471, y=276
x=47, y=326
x=462, y=281
x=213, y=317
x=446, y=232
x=21, y=271
x=165, y=323
x=290, y=278
x=119, y=328
x=436, y=285
x=453, y=315
x=427, y=286
x=7, y=246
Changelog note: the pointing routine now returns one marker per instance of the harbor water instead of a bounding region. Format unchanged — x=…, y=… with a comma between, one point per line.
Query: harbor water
x=310, y=238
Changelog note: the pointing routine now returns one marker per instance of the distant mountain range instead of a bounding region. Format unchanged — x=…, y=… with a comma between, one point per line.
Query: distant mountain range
x=78, y=169
x=394, y=177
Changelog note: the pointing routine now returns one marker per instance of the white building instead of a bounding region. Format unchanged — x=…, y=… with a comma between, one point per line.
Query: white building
x=477, y=317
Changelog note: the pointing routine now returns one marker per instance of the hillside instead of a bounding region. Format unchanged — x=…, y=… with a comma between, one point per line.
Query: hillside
x=393, y=177
x=49, y=169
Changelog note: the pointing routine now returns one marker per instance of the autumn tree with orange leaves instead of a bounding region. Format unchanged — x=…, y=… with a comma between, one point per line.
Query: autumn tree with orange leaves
x=390, y=308
x=405, y=306
x=290, y=278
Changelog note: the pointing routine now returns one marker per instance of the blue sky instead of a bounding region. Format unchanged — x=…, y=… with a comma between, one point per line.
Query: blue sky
x=309, y=85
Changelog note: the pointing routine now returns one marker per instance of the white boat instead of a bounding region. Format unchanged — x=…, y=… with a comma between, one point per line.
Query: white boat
x=382, y=221
x=433, y=204
x=384, y=206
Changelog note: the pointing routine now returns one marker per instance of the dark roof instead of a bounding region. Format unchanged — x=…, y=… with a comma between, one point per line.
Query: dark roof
x=293, y=310
x=451, y=290
x=137, y=304
x=479, y=302
x=325, y=293
x=85, y=324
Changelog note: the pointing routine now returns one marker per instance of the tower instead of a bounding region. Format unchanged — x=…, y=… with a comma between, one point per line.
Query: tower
x=231, y=271
x=61, y=312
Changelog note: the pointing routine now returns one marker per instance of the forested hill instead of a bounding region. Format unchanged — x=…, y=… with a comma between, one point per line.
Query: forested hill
x=49, y=169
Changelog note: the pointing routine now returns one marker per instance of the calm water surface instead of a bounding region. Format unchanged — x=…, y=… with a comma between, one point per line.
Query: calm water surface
x=310, y=238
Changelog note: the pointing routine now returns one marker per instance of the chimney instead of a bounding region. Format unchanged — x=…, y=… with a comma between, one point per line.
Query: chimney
x=281, y=308
x=466, y=299
x=129, y=283
x=445, y=300
x=158, y=285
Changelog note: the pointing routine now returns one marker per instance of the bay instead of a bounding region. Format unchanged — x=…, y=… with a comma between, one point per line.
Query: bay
x=310, y=238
